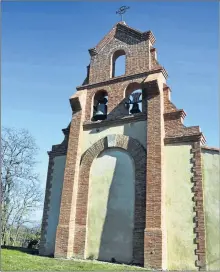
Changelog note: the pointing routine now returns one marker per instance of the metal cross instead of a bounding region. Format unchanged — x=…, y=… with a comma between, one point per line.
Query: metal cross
x=121, y=11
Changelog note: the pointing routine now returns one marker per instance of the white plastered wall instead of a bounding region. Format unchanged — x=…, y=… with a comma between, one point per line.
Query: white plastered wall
x=111, y=195
x=136, y=130
x=111, y=207
x=211, y=183
x=54, y=206
x=179, y=208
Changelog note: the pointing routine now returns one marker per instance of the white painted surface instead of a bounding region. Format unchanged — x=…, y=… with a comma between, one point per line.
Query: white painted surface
x=55, y=199
x=211, y=183
x=111, y=207
x=179, y=208
x=136, y=130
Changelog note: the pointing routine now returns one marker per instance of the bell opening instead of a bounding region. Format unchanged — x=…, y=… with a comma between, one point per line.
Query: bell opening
x=100, y=108
x=134, y=105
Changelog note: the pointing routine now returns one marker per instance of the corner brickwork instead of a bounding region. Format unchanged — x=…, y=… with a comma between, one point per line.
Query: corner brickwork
x=65, y=229
x=176, y=132
x=198, y=199
x=153, y=240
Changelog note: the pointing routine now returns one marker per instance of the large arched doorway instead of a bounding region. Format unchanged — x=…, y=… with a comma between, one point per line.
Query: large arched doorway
x=111, y=205
x=138, y=154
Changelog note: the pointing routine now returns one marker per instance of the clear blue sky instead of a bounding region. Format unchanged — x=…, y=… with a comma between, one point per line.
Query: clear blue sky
x=45, y=54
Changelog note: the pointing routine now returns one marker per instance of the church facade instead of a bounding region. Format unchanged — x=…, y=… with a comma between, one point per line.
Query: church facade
x=130, y=183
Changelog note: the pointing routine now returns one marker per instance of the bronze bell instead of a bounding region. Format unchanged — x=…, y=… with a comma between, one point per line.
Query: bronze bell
x=100, y=110
x=135, y=108
x=134, y=103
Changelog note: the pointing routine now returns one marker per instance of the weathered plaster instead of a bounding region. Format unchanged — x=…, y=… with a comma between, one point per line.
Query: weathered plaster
x=137, y=130
x=111, y=207
x=212, y=204
x=55, y=198
x=179, y=208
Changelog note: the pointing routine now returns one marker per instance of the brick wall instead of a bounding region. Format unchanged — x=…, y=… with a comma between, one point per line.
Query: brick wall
x=153, y=233
x=165, y=125
x=66, y=226
x=135, y=44
x=116, y=98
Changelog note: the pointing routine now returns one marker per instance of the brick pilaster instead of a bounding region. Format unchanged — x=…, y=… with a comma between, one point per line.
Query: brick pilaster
x=65, y=229
x=199, y=206
x=42, y=247
x=153, y=249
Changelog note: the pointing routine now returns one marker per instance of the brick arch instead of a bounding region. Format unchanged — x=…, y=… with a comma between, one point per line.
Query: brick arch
x=131, y=87
x=114, y=54
x=118, y=48
x=138, y=153
x=134, y=86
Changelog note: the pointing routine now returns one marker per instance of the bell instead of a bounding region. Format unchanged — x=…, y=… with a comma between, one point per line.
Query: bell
x=100, y=110
x=135, y=108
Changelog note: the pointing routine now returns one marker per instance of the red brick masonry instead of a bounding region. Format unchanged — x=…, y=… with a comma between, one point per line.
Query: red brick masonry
x=164, y=126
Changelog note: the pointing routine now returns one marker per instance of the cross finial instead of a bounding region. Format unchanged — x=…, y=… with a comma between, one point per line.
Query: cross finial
x=121, y=11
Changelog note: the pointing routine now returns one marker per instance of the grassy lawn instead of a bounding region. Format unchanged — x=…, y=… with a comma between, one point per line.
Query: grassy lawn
x=12, y=260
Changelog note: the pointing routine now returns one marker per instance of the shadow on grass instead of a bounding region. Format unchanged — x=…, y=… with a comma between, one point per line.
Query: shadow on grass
x=31, y=251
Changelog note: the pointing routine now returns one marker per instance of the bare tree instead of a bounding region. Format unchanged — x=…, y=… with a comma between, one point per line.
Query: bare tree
x=21, y=193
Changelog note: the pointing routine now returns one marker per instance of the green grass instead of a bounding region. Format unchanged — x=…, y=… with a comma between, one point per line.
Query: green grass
x=14, y=260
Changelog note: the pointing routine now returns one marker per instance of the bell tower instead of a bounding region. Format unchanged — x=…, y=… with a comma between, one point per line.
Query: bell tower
x=122, y=113
x=112, y=201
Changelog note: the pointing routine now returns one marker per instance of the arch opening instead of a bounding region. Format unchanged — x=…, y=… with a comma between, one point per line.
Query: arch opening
x=100, y=108
x=111, y=216
x=118, y=63
x=138, y=154
x=133, y=95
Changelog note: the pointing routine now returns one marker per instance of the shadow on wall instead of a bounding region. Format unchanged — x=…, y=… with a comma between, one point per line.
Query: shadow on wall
x=116, y=237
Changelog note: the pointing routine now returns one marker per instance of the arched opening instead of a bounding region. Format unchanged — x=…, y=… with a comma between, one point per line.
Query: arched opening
x=100, y=108
x=135, y=170
x=133, y=95
x=111, y=207
x=118, y=63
